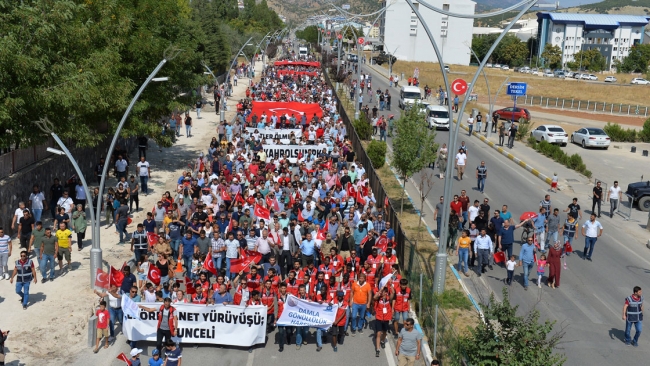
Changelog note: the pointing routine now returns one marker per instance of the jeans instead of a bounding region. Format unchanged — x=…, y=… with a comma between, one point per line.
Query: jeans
x=381, y=105
x=508, y=249
x=438, y=224
x=478, y=127
x=175, y=244
x=198, y=113
x=116, y=314
x=161, y=335
x=143, y=184
x=501, y=138
x=462, y=224
x=228, y=274
x=319, y=337
x=638, y=326
x=590, y=243
x=120, y=226
x=358, y=312
x=382, y=135
x=483, y=258
x=480, y=184
x=511, y=141
x=38, y=212
x=301, y=332
x=285, y=335
x=178, y=129
x=613, y=205
x=471, y=128
x=134, y=198
x=4, y=259
x=216, y=261
x=551, y=238
x=139, y=253
x=47, y=259
x=188, y=130
x=528, y=267
x=348, y=314
x=22, y=289
x=462, y=259
x=187, y=262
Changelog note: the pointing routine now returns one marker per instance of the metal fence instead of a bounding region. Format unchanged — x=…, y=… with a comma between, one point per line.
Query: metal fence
x=414, y=268
x=15, y=160
x=584, y=105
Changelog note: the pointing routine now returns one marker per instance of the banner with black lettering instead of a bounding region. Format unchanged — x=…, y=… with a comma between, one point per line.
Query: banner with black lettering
x=303, y=313
x=291, y=152
x=212, y=324
x=284, y=134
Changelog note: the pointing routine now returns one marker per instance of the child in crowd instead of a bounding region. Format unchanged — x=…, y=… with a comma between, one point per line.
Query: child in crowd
x=143, y=270
x=510, y=266
x=102, y=325
x=554, y=180
x=541, y=269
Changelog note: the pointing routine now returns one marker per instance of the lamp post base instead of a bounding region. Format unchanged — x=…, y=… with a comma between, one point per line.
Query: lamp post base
x=95, y=264
x=440, y=273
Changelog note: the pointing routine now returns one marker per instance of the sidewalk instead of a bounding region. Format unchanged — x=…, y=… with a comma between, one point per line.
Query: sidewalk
x=58, y=311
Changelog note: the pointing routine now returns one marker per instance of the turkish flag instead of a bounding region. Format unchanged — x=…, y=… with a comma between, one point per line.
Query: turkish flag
x=262, y=212
x=239, y=198
x=250, y=200
x=360, y=198
x=291, y=201
x=382, y=243
x=328, y=165
x=386, y=202
x=154, y=274
x=272, y=203
x=364, y=191
x=322, y=233
x=364, y=240
x=189, y=286
x=101, y=279
x=115, y=277
x=244, y=262
x=230, y=226
x=338, y=181
x=152, y=238
x=300, y=218
x=208, y=265
x=351, y=191
x=122, y=357
x=287, y=108
x=225, y=196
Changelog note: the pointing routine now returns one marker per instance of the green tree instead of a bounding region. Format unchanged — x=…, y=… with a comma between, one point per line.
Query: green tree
x=552, y=56
x=508, y=339
x=309, y=34
x=637, y=60
x=511, y=51
x=412, y=145
x=590, y=60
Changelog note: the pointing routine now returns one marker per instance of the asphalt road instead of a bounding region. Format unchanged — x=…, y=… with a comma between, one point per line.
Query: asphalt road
x=588, y=306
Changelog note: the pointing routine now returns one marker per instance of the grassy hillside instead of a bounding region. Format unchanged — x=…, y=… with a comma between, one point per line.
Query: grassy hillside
x=298, y=10
x=615, y=6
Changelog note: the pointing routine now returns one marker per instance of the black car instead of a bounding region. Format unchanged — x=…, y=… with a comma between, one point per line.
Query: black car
x=383, y=57
x=640, y=193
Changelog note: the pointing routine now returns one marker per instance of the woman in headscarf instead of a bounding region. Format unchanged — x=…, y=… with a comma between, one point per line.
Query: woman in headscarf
x=554, y=255
x=442, y=160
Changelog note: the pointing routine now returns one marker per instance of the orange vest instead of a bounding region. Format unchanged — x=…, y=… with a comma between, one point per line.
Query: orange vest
x=293, y=288
x=267, y=299
x=170, y=319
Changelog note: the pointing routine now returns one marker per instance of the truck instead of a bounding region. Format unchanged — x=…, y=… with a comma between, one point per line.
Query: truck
x=383, y=57
x=640, y=193
x=302, y=52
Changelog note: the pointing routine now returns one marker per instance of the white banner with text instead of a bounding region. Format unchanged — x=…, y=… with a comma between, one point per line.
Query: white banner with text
x=303, y=313
x=291, y=152
x=212, y=324
x=284, y=134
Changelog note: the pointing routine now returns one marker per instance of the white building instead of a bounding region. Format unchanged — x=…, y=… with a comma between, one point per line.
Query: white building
x=612, y=35
x=404, y=36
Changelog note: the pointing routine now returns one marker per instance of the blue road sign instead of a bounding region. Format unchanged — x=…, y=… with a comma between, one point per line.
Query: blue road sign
x=517, y=89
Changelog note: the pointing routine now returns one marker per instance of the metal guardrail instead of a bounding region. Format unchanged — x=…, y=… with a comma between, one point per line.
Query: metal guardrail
x=584, y=105
x=626, y=210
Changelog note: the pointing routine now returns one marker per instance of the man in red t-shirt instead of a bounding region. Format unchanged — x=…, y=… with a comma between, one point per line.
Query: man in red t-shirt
x=464, y=200
x=457, y=206
x=102, y=325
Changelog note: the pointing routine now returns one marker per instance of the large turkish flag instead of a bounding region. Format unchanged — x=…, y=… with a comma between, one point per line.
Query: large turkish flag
x=287, y=108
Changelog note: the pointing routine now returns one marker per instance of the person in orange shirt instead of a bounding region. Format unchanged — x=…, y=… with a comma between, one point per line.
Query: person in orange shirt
x=361, y=296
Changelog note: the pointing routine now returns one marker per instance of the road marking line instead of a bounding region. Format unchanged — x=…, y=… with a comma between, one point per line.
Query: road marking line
x=251, y=357
x=390, y=354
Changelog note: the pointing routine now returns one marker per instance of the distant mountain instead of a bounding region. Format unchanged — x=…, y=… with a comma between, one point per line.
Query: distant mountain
x=297, y=11
x=485, y=5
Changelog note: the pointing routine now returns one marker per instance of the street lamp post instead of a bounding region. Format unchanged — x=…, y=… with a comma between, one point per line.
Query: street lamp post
x=492, y=105
x=489, y=116
x=222, y=112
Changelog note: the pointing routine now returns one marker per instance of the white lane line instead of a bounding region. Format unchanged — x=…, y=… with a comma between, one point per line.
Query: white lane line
x=635, y=254
x=390, y=355
x=251, y=358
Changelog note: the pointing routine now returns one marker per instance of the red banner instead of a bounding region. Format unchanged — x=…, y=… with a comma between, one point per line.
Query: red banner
x=287, y=108
x=293, y=72
x=297, y=63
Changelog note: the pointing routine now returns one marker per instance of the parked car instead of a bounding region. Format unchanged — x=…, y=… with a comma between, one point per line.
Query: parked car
x=512, y=113
x=591, y=137
x=592, y=77
x=515, y=69
x=488, y=65
x=559, y=74
x=551, y=133
x=352, y=57
x=610, y=79
x=534, y=70
x=525, y=70
x=548, y=75
x=639, y=81
x=640, y=193
x=505, y=67
x=569, y=74
x=497, y=66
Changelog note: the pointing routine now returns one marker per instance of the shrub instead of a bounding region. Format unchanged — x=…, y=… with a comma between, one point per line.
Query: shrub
x=620, y=134
x=363, y=128
x=644, y=134
x=377, y=153
x=523, y=129
x=556, y=153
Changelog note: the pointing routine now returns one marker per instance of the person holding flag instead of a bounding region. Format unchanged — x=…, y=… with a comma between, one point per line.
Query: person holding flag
x=115, y=308
x=167, y=322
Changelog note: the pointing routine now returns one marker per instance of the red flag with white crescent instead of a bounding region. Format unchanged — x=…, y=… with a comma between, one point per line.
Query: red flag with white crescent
x=230, y=226
x=262, y=212
x=208, y=265
x=225, y=196
x=300, y=218
x=338, y=181
x=386, y=201
x=328, y=165
x=360, y=198
x=364, y=191
x=351, y=191
x=122, y=357
x=322, y=233
x=154, y=274
x=152, y=239
x=189, y=286
x=382, y=243
x=272, y=203
x=243, y=263
x=364, y=240
x=101, y=279
x=115, y=277
x=291, y=201
x=250, y=200
x=239, y=198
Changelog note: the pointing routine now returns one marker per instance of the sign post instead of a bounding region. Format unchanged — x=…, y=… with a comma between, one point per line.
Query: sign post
x=516, y=90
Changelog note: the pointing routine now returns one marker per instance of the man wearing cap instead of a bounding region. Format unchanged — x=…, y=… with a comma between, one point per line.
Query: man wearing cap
x=167, y=322
x=155, y=359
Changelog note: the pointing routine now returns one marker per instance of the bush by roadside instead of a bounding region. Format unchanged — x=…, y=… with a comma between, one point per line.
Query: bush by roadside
x=620, y=134
x=377, y=153
x=556, y=153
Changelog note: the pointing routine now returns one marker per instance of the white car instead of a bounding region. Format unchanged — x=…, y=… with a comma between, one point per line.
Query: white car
x=497, y=66
x=505, y=67
x=551, y=133
x=591, y=137
x=610, y=79
x=593, y=77
x=488, y=65
x=548, y=75
x=639, y=81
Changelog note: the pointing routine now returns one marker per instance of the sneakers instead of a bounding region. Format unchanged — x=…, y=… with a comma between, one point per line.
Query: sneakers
x=383, y=345
x=298, y=346
x=318, y=349
x=6, y=276
x=360, y=331
x=354, y=332
x=336, y=349
x=377, y=353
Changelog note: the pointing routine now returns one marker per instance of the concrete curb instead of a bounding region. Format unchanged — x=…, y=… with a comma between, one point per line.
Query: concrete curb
x=508, y=155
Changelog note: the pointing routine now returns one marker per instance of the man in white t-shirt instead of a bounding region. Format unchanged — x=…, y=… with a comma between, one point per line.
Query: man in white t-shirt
x=614, y=194
x=144, y=172
x=37, y=203
x=18, y=214
x=473, y=210
x=66, y=202
x=470, y=124
x=461, y=159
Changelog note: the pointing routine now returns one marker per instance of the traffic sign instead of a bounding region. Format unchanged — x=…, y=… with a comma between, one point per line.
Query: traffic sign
x=345, y=7
x=459, y=86
x=339, y=36
x=361, y=40
x=517, y=89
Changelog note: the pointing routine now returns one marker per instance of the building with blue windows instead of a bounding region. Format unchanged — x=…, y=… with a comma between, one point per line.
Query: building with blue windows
x=611, y=34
